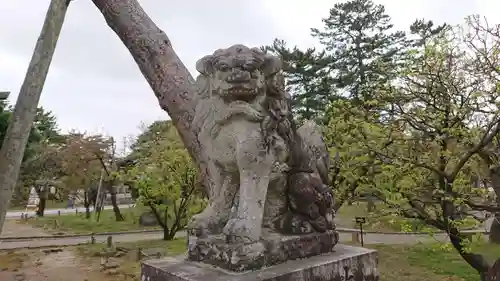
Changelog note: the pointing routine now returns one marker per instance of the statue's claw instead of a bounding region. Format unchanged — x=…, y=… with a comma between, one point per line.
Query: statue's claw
x=236, y=230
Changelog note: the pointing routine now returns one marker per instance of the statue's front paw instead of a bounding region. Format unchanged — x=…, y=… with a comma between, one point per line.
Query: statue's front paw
x=198, y=226
x=239, y=231
x=204, y=224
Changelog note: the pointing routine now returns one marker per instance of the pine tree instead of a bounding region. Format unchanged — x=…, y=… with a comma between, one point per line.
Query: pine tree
x=306, y=79
x=364, y=51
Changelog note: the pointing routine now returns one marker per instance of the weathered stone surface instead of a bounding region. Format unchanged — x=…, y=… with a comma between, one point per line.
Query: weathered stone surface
x=345, y=263
x=229, y=115
x=271, y=250
x=258, y=161
x=154, y=252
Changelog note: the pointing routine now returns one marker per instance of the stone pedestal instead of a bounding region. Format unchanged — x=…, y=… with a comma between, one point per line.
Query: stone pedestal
x=274, y=248
x=342, y=264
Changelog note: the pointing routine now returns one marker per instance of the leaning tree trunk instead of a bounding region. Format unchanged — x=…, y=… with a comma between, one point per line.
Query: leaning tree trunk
x=16, y=138
x=166, y=74
x=116, y=209
x=110, y=187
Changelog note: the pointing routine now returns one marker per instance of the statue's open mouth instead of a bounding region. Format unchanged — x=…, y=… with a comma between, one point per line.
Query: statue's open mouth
x=241, y=92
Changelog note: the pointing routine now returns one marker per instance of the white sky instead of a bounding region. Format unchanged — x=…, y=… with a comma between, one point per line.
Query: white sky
x=94, y=85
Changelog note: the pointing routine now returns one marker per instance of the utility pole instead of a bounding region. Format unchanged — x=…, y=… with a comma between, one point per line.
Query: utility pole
x=16, y=138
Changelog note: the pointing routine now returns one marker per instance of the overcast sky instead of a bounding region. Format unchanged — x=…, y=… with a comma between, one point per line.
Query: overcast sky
x=94, y=84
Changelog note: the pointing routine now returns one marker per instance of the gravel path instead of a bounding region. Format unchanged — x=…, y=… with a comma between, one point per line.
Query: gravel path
x=73, y=241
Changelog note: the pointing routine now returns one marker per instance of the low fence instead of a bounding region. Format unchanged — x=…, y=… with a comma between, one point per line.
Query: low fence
x=356, y=234
x=64, y=236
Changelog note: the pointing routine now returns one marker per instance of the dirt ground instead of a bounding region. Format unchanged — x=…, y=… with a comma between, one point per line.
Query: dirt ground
x=61, y=265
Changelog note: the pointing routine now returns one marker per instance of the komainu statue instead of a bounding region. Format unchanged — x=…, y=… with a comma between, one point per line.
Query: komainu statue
x=267, y=173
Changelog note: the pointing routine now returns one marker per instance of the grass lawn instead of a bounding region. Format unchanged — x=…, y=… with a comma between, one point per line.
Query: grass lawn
x=51, y=204
x=73, y=223
x=396, y=263
x=428, y=262
x=376, y=221
x=380, y=220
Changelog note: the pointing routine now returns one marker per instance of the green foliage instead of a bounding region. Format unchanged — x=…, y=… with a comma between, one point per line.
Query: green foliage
x=44, y=128
x=438, y=130
x=165, y=177
x=307, y=79
x=44, y=134
x=428, y=262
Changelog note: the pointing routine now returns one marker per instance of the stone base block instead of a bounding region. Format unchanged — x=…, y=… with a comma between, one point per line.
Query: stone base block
x=345, y=263
x=273, y=249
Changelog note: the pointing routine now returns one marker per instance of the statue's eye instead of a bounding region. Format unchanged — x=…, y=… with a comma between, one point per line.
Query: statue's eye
x=223, y=67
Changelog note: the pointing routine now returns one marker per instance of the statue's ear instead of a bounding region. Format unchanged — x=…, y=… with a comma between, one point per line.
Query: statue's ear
x=272, y=65
x=205, y=66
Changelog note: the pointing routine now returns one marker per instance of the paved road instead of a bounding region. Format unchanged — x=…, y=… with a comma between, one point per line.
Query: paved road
x=51, y=212
x=73, y=241
x=133, y=237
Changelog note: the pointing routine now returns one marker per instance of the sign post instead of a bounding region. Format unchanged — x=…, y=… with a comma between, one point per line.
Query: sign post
x=361, y=221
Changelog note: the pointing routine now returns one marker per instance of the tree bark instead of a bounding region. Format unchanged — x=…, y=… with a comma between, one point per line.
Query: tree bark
x=476, y=261
x=41, y=207
x=162, y=221
x=43, y=194
x=86, y=204
x=14, y=144
x=170, y=80
x=116, y=209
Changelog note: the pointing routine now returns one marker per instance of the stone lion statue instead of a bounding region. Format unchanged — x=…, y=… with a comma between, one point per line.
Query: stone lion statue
x=265, y=171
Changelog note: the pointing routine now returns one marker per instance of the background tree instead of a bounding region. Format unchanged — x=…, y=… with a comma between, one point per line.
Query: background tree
x=111, y=174
x=364, y=50
x=365, y=54
x=165, y=177
x=484, y=39
x=361, y=56
x=444, y=113
x=43, y=170
x=81, y=166
x=355, y=166
x=45, y=131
